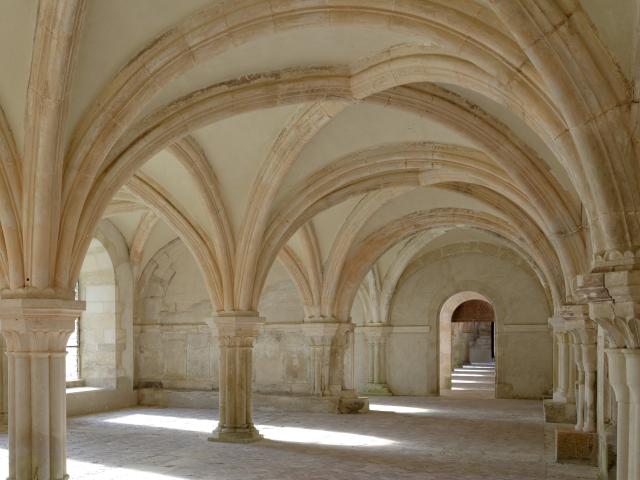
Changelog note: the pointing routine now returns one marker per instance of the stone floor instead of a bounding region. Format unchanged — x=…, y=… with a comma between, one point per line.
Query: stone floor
x=403, y=438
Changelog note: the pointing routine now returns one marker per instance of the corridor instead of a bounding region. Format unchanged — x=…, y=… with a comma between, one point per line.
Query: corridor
x=402, y=438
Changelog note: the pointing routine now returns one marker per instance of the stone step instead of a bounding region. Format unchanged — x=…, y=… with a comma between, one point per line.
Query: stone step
x=479, y=377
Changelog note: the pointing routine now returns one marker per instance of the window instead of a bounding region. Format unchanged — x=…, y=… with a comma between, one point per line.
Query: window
x=73, y=348
x=73, y=353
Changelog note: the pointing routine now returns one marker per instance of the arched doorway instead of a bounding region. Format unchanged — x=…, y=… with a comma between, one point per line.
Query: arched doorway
x=467, y=344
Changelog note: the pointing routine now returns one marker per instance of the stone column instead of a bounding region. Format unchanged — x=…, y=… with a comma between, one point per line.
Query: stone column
x=4, y=376
x=562, y=368
x=377, y=341
x=236, y=335
x=329, y=341
x=325, y=380
x=618, y=380
x=579, y=386
x=36, y=333
x=583, y=331
x=589, y=363
x=632, y=364
x=572, y=374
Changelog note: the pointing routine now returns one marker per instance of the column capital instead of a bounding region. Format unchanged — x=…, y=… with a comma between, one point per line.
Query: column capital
x=38, y=324
x=556, y=323
x=579, y=324
x=326, y=330
x=632, y=364
x=616, y=306
x=236, y=324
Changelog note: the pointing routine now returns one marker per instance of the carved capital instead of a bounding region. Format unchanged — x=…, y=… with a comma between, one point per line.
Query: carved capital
x=327, y=334
x=31, y=325
x=236, y=330
x=579, y=324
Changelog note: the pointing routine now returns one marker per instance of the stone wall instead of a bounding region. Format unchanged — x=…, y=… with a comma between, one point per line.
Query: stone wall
x=524, y=345
x=98, y=321
x=175, y=349
x=106, y=327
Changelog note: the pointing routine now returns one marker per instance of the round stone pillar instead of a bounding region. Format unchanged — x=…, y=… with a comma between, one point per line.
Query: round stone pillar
x=236, y=337
x=36, y=333
x=618, y=380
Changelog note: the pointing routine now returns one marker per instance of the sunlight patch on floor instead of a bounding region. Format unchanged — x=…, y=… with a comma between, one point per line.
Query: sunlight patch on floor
x=271, y=432
x=376, y=407
x=321, y=437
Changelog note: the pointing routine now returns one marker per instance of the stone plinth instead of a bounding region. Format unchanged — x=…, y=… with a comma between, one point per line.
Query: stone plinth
x=559, y=412
x=576, y=447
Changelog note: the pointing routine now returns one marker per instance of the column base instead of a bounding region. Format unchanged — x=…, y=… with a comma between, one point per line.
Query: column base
x=379, y=389
x=559, y=412
x=240, y=435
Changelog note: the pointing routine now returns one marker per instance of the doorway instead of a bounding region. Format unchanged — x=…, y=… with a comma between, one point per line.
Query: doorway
x=467, y=344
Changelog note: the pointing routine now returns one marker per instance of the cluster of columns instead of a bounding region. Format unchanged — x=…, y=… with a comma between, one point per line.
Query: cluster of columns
x=617, y=310
x=327, y=340
x=331, y=345
x=609, y=301
x=36, y=332
x=576, y=364
x=237, y=333
x=565, y=390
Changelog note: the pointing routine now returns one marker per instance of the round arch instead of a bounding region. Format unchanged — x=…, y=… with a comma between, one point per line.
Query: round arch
x=445, y=335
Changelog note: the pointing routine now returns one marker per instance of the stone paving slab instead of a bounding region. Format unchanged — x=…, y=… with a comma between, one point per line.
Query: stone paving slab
x=412, y=438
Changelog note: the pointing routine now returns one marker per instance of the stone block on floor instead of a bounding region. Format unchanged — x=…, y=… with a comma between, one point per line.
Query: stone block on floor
x=576, y=447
